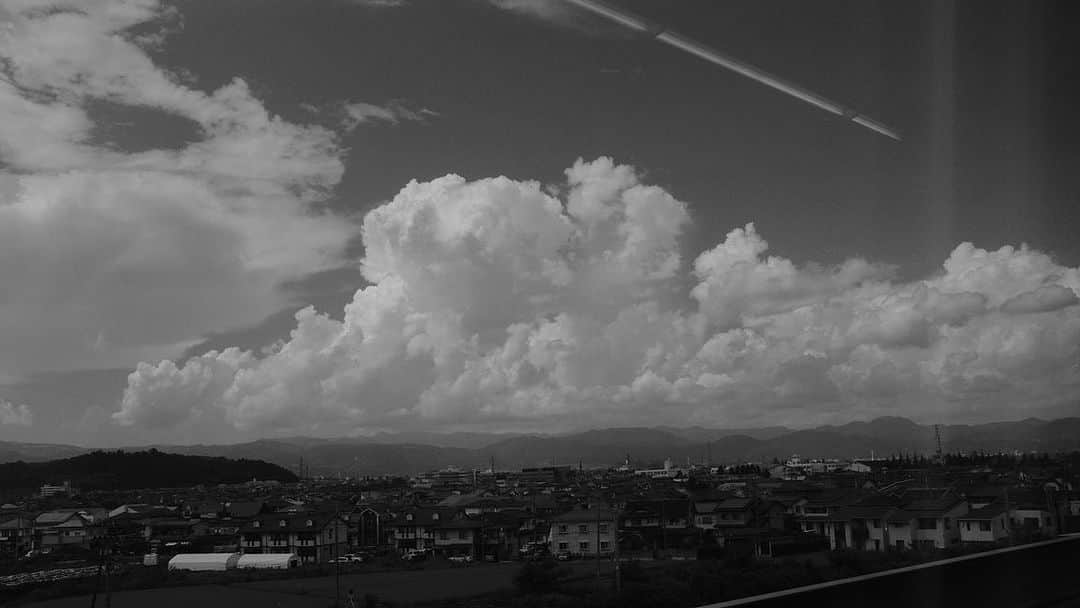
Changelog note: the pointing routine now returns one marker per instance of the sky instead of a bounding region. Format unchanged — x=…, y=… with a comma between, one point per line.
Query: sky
x=228, y=220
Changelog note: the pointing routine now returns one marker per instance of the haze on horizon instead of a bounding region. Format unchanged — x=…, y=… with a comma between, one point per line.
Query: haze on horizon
x=221, y=221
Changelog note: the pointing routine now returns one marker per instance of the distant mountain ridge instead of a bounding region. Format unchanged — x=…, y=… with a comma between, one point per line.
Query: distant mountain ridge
x=408, y=453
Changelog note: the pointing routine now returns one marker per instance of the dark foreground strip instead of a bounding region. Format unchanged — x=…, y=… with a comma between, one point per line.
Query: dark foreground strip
x=924, y=584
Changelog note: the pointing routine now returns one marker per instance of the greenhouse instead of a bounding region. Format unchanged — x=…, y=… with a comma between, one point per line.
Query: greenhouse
x=203, y=561
x=268, y=561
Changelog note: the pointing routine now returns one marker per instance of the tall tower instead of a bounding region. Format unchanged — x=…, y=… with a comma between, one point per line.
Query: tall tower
x=939, y=456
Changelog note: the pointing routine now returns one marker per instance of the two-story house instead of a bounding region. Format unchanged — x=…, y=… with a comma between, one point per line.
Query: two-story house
x=988, y=524
x=16, y=535
x=313, y=537
x=659, y=523
x=583, y=532
x=414, y=528
x=459, y=537
x=868, y=526
x=936, y=520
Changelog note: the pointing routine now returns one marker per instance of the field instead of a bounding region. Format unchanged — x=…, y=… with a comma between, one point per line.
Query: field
x=398, y=586
x=422, y=585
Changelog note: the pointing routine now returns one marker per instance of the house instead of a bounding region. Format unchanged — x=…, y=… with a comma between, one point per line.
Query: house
x=16, y=535
x=160, y=531
x=901, y=529
x=459, y=537
x=67, y=527
x=313, y=537
x=243, y=510
x=501, y=533
x=415, y=527
x=583, y=532
x=987, y=524
x=868, y=525
x=50, y=490
x=935, y=525
x=1031, y=515
x=659, y=523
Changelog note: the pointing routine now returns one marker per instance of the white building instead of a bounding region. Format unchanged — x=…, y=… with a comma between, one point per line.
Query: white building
x=204, y=562
x=582, y=532
x=272, y=561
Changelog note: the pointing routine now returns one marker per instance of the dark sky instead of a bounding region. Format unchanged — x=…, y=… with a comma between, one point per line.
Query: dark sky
x=980, y=90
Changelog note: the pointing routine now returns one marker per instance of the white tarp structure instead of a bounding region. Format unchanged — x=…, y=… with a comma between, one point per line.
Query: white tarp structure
x=203, y=561
x=268, y=560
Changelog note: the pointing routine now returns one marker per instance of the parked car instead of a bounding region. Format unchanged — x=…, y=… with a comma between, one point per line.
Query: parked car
x=414, y=555
x=461, y=559
x=355, y=558
x=563, y=556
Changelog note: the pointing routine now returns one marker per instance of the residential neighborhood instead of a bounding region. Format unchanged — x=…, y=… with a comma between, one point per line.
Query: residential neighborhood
x=567, y=513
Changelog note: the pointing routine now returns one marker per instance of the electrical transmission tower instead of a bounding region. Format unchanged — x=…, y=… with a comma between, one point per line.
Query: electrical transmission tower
x=937, y=437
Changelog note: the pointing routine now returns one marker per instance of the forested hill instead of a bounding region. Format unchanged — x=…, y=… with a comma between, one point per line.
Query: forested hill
x=120, y=470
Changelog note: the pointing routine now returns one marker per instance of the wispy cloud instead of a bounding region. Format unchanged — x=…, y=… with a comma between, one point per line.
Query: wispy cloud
x=557, y=11
x=357, y=113
x=379, y=3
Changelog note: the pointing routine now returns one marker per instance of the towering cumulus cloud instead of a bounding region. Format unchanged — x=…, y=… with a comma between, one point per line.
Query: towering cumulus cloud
x=495, y=304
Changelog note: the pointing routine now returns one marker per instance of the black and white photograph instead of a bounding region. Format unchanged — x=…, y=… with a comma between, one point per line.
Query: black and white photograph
x=539, y=303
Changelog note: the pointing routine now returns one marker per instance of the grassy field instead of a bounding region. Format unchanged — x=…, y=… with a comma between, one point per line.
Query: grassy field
x=398, y=586
x=202, y=596
x=404, y=586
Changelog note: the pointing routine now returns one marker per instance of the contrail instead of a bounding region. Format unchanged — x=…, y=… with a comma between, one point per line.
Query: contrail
x=693, y=47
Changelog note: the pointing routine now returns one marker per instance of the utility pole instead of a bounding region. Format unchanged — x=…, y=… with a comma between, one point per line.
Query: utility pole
x=337, y=562
x=108, y=554
x=618, y=564
x=663, y=528
x=598, y=545
x=1008, y=517
x=97, y=578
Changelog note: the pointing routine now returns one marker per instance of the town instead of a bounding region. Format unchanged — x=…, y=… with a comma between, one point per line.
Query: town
x=928, y=505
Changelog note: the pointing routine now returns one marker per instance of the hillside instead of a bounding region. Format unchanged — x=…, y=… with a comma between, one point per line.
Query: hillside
x=392, y=454
x=11, y=451
x=121, y=470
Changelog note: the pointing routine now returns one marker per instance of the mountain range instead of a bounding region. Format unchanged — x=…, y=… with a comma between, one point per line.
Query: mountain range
x=407, y=453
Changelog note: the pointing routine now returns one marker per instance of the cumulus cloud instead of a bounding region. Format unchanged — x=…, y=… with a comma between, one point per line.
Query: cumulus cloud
x=15, y=415
x=109, y=257
x=1047, y=298
x=496, y=303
